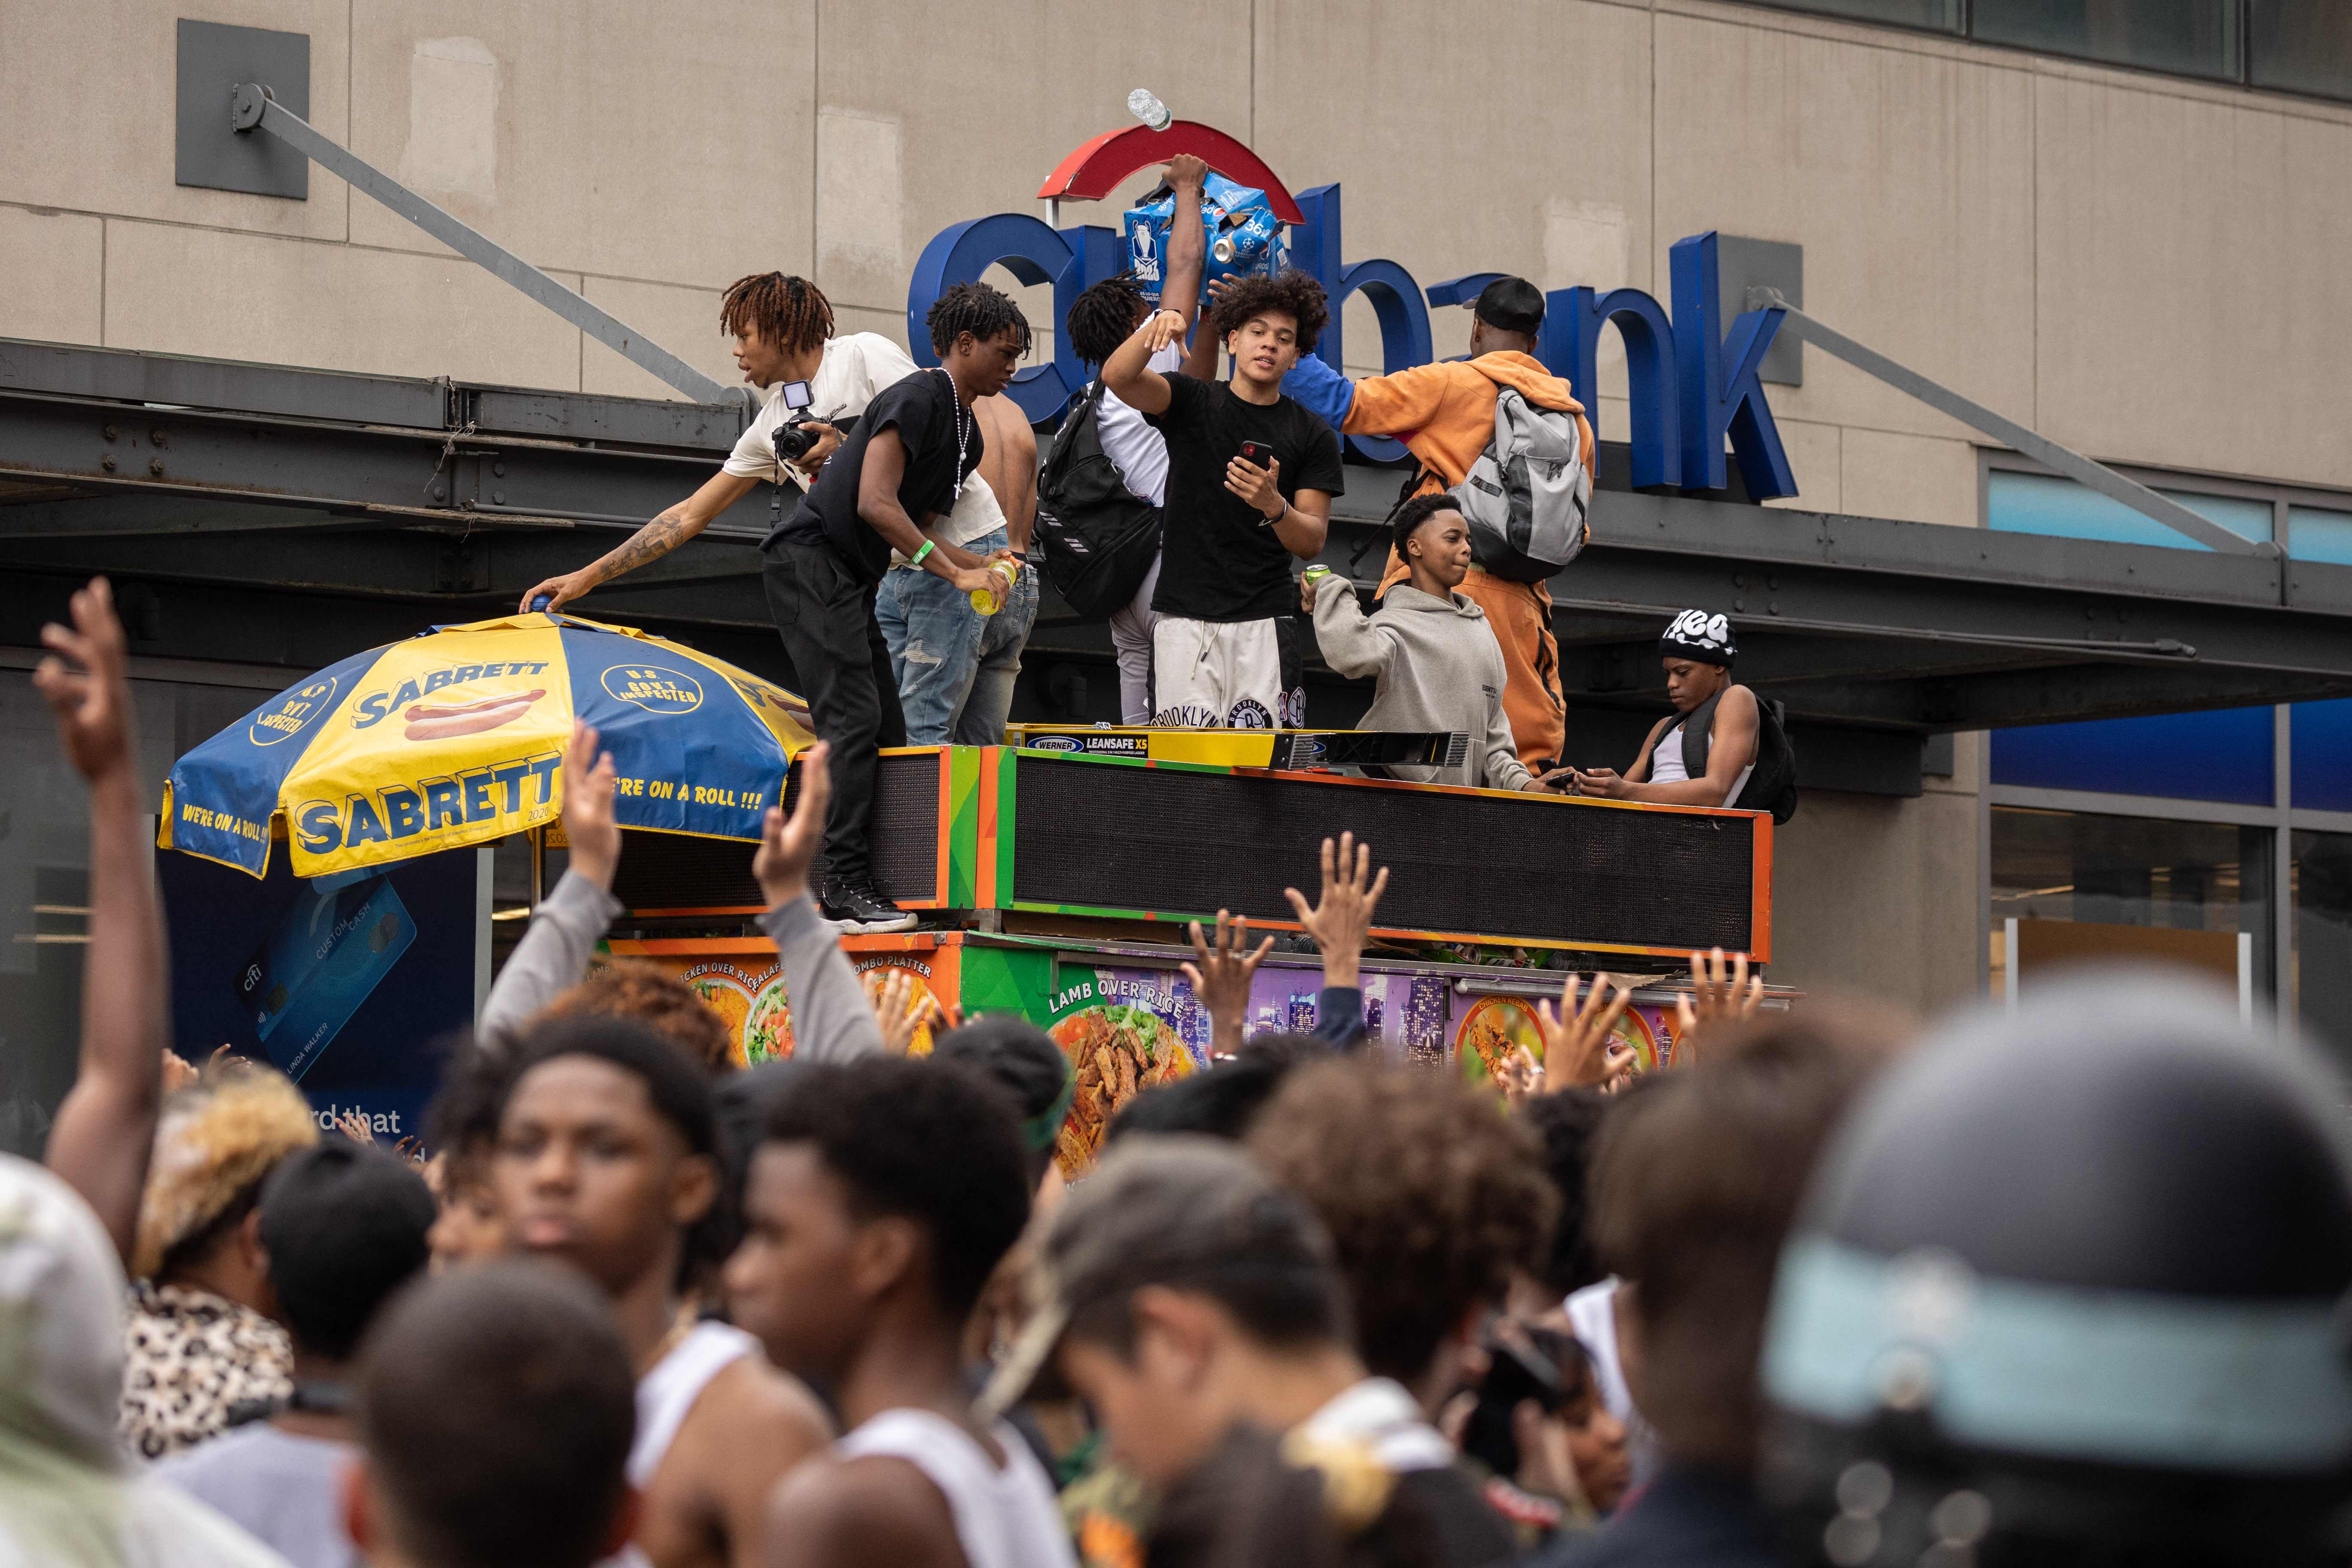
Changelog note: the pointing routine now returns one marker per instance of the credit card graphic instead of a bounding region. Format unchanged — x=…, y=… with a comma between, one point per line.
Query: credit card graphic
x=267, y=981
x=348, y=955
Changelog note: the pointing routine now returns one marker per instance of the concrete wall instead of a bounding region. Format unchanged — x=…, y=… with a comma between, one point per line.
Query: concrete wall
x=2137, y=265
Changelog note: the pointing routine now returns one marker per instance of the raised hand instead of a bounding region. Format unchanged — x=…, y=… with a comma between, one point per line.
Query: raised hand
x=92, y=704
x=1717, y=996
x=1221, y=979
x=1342, y=916
x=178, y=1073
x=1183, y=172
x=787, y=849
x=353, y=1125
x=588, y=825
x=1160, y=328
x=902, y=1006
x=1577, y=1039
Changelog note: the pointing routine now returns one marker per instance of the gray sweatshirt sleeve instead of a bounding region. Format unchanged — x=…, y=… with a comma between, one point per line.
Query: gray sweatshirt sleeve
x=832, y=1020
x=551, y=957
x=1351, y=642
x=1503, y=769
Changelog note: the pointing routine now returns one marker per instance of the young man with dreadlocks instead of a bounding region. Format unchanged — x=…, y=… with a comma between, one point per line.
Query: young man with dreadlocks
x=1251, y=475
x=1101, y=319
x=782, y=328
x=891, y=487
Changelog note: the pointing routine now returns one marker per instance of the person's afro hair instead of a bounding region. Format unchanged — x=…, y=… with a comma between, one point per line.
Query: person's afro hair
x=1433, y=1197
x=1291, y=293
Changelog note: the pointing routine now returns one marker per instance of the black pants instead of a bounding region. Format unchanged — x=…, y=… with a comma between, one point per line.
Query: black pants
x=826, y=616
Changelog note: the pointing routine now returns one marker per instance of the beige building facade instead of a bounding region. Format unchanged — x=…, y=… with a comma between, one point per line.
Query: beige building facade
x=2143, y=267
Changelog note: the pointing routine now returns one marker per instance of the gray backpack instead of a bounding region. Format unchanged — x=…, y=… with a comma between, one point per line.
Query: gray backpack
x=1525, y=498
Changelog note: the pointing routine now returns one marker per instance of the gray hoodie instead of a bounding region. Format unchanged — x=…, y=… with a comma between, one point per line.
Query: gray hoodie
x=1439, y=666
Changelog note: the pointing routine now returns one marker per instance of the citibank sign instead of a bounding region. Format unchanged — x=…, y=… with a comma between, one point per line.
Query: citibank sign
x=1692, y=385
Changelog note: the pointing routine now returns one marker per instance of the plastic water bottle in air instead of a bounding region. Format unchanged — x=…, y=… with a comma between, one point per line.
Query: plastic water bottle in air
x=1148, y=109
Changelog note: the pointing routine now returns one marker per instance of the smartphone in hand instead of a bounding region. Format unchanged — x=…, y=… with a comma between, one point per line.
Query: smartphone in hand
x=1255, y=452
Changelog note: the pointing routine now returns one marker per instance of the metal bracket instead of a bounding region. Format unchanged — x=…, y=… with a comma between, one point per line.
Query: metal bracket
x=254, y=108
x=2084, y=470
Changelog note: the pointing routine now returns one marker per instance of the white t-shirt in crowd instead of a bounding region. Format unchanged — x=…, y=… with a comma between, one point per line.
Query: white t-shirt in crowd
x=1592, y=1313
x=1006, y=1516
x=1139, y=452
x=284, y=1490
x=853, y=369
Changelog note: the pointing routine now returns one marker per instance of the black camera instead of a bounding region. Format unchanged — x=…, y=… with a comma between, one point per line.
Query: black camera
x=793, y=442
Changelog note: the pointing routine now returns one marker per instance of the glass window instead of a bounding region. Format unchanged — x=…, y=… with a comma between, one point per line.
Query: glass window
x=2046, y=504
x=2322, y=974
x=44, y=881
x=2194, y=38
x=2303, y=45
x=2226, y=755
x=2319, y=768
x=1944, y=16
x=2313, y=534
x=2124, y=872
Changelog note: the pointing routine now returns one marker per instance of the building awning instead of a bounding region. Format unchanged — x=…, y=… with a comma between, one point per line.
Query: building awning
x=269, y=514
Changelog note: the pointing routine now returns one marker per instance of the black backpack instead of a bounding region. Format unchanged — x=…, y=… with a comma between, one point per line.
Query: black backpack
x=1098, y=537
x=1773, y=785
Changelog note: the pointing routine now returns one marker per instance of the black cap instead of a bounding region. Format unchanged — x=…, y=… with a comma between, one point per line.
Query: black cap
x=1513, y=304
x=345, y=1226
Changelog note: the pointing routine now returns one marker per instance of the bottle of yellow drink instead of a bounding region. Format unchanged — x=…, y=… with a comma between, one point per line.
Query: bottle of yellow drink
x=988, y=601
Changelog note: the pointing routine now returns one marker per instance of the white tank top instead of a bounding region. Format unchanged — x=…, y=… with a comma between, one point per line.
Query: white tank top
x=1667, y=764
x=668, y=1391
x=1004, y=1516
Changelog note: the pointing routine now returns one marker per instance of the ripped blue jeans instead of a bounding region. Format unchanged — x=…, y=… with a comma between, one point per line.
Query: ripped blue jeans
x=955, y=667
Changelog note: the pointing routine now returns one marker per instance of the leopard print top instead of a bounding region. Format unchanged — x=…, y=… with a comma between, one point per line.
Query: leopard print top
x=188, y=1356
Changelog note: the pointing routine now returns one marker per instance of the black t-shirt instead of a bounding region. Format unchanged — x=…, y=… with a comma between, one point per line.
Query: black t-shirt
x=923, y=408
x=1219, y=558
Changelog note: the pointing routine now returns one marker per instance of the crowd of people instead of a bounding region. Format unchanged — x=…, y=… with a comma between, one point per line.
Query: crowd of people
x=2060, y=1286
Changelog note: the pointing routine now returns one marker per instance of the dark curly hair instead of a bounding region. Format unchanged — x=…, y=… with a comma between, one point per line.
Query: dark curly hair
x=929, y=1140
x=1418, y=510
x=977, y=309
x=1433, y=1197
x=793, y=313
x=1103, y=317
x=1568, y=1123
x=634, y=988
x=1291, y=294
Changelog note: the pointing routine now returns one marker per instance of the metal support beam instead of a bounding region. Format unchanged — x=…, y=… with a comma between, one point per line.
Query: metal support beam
x=2082, y=470
x=255, y=109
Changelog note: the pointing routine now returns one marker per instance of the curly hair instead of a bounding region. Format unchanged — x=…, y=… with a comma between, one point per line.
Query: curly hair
x=1293, y=294
x=791, y=313
x=1105, y=316
x=975, y=308
x=633, y=988
x=1418, y=510
x=1432, y=1195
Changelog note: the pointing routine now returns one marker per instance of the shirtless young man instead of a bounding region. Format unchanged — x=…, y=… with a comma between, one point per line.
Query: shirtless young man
x=607, y=1159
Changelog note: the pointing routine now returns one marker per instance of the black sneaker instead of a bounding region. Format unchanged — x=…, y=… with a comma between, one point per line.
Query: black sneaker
x=858, y=906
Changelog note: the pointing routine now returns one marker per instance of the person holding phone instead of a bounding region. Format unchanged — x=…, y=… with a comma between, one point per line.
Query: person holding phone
x=1251, y=475
x=813, y=384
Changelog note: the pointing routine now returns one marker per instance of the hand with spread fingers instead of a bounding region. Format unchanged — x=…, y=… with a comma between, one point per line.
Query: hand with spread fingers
x=1579, y=1040
x=1520, y=1077
x=787, y=849
x=1221, y=979
x=353, y=1125
x=91, y=704
x=1717, y=996
x=902, y=1007
x=1341, y=916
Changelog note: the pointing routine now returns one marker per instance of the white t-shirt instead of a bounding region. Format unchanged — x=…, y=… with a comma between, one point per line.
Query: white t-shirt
x=1134, y=448
x=1592, y=1313
x=853, y=369
x=1006, y=1516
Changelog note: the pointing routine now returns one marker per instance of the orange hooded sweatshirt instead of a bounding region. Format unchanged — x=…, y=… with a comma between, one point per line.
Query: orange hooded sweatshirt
x=1445, y=414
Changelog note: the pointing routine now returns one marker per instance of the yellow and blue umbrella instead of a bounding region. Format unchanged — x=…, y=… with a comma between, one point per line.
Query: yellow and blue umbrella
x=457, y=737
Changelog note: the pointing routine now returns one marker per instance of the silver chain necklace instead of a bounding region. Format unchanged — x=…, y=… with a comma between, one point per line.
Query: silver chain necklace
x=964, y=430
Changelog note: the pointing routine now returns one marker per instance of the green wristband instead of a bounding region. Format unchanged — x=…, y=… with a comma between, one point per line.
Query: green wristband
x=917, y=558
